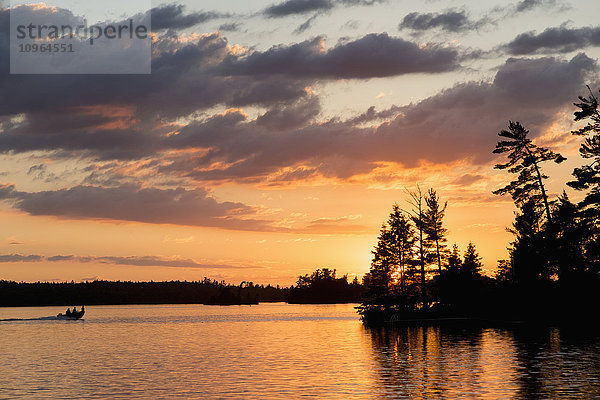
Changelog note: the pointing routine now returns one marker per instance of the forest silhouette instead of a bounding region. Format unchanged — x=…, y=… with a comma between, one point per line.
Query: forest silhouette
x=553, y=269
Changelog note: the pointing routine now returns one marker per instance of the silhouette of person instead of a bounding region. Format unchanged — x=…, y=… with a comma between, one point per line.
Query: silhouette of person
x=68, y=312
x=74, y=310
x=82, y=308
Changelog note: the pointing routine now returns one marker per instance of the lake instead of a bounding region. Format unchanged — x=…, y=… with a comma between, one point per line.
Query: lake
x=281, y=351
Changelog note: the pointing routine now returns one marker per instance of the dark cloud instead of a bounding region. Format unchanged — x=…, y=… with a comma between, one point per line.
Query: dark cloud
x=372, y=115
x=131, y=203
x=60, y=258
x=185, y=78
x=115, y=117
x=230, y=27
x=290, y=116
x=554, y=40
x=299, y=7
x=292, y=7
x=172, y=17
x=374, y=55
x=457, y=124
x=121, y=119
x=468, y=179
x=109, y=117
x=141, y=261
x=11, y=258
x=449, y=20
x=306, y=24
x=528, y=5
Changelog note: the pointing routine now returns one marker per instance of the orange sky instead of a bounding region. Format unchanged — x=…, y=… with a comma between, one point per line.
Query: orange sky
x=259, y=151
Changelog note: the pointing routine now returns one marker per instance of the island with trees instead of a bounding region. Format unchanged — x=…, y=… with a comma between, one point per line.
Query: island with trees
x=553, y=270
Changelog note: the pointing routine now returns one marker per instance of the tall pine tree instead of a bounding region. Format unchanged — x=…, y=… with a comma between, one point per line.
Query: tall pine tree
x=436, y=233
x=524, y=158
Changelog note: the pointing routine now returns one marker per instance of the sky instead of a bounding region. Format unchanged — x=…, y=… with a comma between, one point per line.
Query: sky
x=273, y=138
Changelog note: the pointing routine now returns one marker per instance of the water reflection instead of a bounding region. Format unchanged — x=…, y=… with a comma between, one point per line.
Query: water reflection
x=282, y=351
x=478, y=362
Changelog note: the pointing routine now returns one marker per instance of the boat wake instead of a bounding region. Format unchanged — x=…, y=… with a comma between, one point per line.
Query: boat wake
x=55, y=318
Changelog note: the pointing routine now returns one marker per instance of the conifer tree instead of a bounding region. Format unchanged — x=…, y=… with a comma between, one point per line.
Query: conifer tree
x=377, y=280
x=524, y=158
x=454, y=260
x=571, y=240
x=436, y=233
x=400, y=243
x=471, y=265
x=588, y=176
x=528, y=255
x=422, y=242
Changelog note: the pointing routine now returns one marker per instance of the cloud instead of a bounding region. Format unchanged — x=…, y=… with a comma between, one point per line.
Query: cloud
x=165, y=126
x=299, y=7
x=554, y=40
x=171, y=16
x=14, y=241
x=292, y=7
x=306, y=24
x=528, y=5
x=374, y=55
x=468, y=179
x=230, y=27
x=140, y=261
x=60, y=258
x=449, y=20
x=154, y=261
x=340, y=225
x=12, y=258
x=457, y=124
x=178, y=206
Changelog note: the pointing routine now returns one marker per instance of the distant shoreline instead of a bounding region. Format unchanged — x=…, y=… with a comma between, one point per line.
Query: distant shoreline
x=205, y=292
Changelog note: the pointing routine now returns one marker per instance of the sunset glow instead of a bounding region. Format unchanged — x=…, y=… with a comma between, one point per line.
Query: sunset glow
x=271, y=140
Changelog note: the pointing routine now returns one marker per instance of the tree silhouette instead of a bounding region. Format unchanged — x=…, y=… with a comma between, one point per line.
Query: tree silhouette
x=454, y=260
x=529, y=260
x=471, y=266
x=572, y=241
x=423, y=244
x=588, y=176
x=390, y=279
x=524, y=158
x=400, y=242
x=436, y=233
x=377, y=280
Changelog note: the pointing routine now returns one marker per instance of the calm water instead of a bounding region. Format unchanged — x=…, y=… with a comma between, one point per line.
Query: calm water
x=282, y=351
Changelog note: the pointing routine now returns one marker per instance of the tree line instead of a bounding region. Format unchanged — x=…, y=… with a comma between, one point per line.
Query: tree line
x=553, y=267
x=320, y=287
x=323, y=286
x=206, y=291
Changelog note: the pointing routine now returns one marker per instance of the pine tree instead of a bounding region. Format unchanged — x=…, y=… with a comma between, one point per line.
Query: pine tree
x=588, y=176
x=422, y=244
x=388, y=284
x=436, y=233
x=377, y=280
x=454, y=260
x=471, y=266
x=528, y=255
x=400, y=243
x=571, y=239
x=524, y=158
